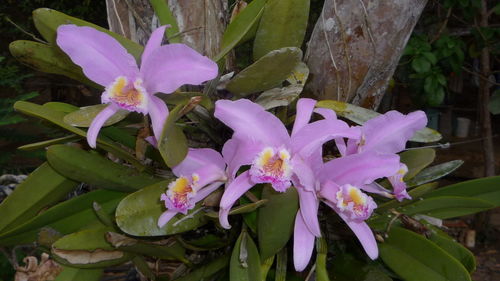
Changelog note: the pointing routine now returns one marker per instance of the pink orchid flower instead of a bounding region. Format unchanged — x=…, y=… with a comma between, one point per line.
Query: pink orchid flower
x=127, y=85
x=388, y=134
x=198, y=175
x=262, y=141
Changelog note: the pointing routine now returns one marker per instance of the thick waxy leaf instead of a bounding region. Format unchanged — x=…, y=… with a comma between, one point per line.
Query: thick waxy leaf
x=60, y=106
x=49, y=59
x=242, y=209
x=65, y=217
x=47, y=20
x=173, y=143
x=92, y=168
x=416, y=160
x=42, y=188
x=435, y=172
x=415, y=258
x=138, y=214
x=56, y=117
x=165, y=16
x=347, y=268
x=43, y=144
x=444, y=207
x=77, y=274
x=240, y=28
x=275, y=220
x=459, y=252
x=206, y=270
x=266, y=73
x=88, y=249
x=283, y=24
x=245, y=260
x=85, y=115
x=360, y=115
x=284, y=96
x=485, y=188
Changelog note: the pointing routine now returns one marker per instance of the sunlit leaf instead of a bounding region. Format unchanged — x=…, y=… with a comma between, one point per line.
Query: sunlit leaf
x=85, y=115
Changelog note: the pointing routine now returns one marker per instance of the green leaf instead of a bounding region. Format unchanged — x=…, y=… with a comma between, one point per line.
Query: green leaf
x=416, y=160
x=173, y=143
x=430, y=57
x=494, y=105
x=283, y=24
x=421, y=65
x=484, y=188
x=206, y=270
x=60, y=106
x=416, y=194
x=444, y=207
x=44, y=144
x=346, y=267
x=436, y=97
x=165, y=16
x=92, y=168
x=435, y=172
x=47, y=21
x=138, y=214
x=88, y=249
x=459, y=252
x=415, y=258
x=77, y=274
x=240, y=27
x=245, y=260
x=42, y=188
x=241, y=209
x=322, y=251
x=65, y=217
x=275, y=220
x=266, y=73
x=85, y=115
x=49, y=59
x=360, y=115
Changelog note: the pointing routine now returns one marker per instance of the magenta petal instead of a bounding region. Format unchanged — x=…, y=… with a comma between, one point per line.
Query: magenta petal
x=309, y=205
x=303, y=244
x=158, y=111
x=234, y=190
x=238, y=152
x=359, y=169
x=171, y=66
x=313, y=135
x=198, y=158
x=326, y=113
x=377, y=189
x=305, y=109
x=388, y=133
x=251, y=122
x=154, y=42
x=304, y=173
x=166, y=217
x=364, y=234
x=98, y=122
x=204, y=192
x=100, y=56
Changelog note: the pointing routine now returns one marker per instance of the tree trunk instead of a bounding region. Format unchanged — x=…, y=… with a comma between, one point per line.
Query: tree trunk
x=356, y=46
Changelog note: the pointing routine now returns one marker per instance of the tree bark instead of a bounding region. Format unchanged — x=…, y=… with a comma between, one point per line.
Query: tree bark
x=355, y=48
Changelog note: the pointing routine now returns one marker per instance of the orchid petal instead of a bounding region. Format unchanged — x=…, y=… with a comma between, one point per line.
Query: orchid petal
x=312, y=136
x=364, y=235
x=238, y=152
x=170, y=66
x=309, y=205
x=158, y=111
x=154, y=42
x=303, y=243
x=359, y=169
x=100, y=56
x=326, y=113
x=98, y=122
x=305, y=109
x=377, y=189
x=204, y=192
x=250, y=121
x=234, y=190
x=166, y=217
x=304, y=173
x=388, y=133
x=198, y=158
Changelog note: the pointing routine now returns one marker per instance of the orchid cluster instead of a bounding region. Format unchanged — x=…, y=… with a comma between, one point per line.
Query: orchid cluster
x=261, y=150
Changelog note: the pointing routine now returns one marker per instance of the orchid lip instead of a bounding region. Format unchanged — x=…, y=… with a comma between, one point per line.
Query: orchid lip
x=180, y=193
x=272, y=166
x=129, y=96
x=354, y=203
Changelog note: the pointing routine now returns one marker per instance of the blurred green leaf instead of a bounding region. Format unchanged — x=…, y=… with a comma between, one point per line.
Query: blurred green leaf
x=420, y=64
x=415, y=258
x=238, y=30
x=435, y=172
x=275, y=220
x=416, y=160
x=78, y=274
x=266, y=73
x=346, y=267
x=206, y=270
x=92, y=168
x=494, y=105
x=444, y=207
x=165, y=16
x=138, y=214
x=42, y=188
x=484, y=188
x=283, y=24
x=85, y=115
x=360, y=115
x=430, y=57
x=47, y=143
x=173, y=143
x=245, y=260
